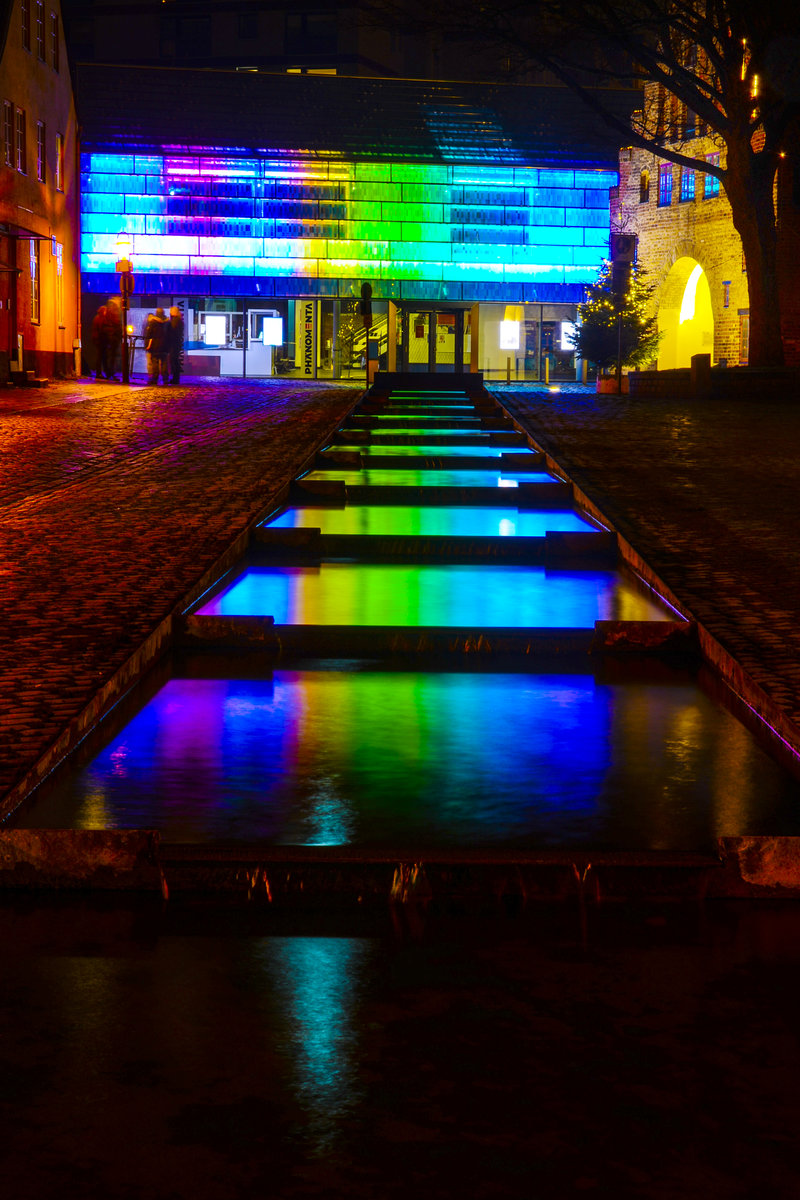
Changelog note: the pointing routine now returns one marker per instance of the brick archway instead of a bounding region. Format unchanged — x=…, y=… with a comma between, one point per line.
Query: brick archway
x=685, y=317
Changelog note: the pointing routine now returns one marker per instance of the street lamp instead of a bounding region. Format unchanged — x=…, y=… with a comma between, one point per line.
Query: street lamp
x=125, y=272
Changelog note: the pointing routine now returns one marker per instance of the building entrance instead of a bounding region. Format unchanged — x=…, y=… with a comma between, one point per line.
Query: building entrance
x=434, y=339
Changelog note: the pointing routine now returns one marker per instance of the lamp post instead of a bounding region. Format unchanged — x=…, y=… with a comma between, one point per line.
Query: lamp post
x=125, y=272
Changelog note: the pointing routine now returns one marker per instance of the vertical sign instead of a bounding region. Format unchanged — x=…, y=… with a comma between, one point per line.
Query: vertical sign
x=308, y=338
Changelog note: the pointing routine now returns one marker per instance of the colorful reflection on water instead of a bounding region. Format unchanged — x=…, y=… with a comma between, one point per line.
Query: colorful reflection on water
x=440, y=521
x=334, y=757
x=419, y=477
x=481, y=449
x=487, y=595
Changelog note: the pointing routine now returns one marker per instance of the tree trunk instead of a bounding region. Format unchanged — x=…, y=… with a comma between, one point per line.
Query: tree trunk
x=750, y=190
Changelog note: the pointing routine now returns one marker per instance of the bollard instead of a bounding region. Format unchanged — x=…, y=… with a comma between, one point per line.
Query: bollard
x=508, y=370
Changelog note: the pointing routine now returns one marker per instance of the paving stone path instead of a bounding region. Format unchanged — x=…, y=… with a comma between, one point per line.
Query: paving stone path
x=708, y=493
x=113, y=504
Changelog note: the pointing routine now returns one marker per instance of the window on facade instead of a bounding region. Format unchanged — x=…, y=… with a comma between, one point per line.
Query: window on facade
x=40, y=30
x=41, y=159
x=25, y=15
x=248, y=26
x=744, y=338
x=54, y=60
x=726, y=293
x=8, y=134
x=711, y=186
x=665, y=185
x=22, y=145
x=644, y=187
x=34, y=281
x=311, y=33
x=687, y=183
x=58, y=254
x=690, y=122
x=59, y=163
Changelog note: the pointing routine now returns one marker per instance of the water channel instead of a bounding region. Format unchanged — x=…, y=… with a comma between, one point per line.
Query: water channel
x=277, y=743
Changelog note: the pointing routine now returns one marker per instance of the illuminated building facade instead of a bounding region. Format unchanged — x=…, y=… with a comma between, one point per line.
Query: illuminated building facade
x=39, y=274
x=476, y=214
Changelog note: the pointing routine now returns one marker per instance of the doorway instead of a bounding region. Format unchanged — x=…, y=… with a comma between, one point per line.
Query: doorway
x=432, y=339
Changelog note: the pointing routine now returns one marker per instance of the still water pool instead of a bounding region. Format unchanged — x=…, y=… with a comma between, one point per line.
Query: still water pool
x=379, y=758
x=441, y=521
x=487, y=595
x=419, y=477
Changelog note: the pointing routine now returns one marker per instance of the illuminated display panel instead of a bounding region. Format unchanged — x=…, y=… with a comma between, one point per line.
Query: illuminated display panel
x=316, y=228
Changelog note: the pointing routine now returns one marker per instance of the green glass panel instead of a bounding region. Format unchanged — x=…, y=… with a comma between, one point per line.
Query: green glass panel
x=374, y=171
x=410, y=173
x=374, y=191
x=412, y=212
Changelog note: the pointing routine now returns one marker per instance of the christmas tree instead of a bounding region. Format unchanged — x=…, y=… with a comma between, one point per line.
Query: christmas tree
x=613, y=321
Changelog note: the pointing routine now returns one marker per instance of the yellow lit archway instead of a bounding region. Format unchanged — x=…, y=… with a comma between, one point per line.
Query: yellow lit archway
x=685, y=319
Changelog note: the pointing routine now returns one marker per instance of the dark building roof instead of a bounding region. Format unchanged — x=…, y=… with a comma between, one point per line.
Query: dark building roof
x=147, y=108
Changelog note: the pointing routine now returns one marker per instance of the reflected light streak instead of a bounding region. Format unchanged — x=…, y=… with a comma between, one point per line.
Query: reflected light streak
x=319, y=981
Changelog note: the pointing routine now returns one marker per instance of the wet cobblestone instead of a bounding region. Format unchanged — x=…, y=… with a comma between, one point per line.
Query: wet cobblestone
x=113, y=503
x=708, y=493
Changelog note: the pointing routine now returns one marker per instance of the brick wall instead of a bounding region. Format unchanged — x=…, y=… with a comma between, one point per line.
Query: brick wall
x=702, y=229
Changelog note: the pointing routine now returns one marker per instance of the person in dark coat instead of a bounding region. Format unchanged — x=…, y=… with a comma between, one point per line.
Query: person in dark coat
x=100, y=341
x=175, y=344
x=113, y=338
x=156, y=334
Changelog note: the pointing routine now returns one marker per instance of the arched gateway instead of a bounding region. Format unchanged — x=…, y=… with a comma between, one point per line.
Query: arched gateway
x=685, y=319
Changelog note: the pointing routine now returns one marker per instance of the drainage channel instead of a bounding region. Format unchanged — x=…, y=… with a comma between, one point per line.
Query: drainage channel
x=432, y=676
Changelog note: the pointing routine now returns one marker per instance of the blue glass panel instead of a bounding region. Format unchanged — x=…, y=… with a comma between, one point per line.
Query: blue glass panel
x=597, y=217
x=112, y=223
x=101, y=202
x=556, y=179
x=535, y=272
x=305, y=287
x=430, y=290
x=546, y=216
x=588, y=255
x=548, y=235
x=596, y=237
x=145, y=204
x=144, y=245
x=96, y=282
x=95, y=182
x=595, y=199
x=596, y=179
x=544, y=254
x=145, y=164
x=98, y=262
x=501, y=175
x=541, y=197
x=112, y=164
x=581, y=274
x=483, y=253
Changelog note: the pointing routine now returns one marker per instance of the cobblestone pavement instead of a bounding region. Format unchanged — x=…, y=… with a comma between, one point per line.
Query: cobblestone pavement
x=708, y=493
x=114, y=501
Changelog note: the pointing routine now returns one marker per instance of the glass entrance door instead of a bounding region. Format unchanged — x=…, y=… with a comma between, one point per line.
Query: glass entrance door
x=432, y=340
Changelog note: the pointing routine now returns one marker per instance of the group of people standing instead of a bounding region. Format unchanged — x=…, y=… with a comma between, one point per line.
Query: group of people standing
x=163, y=343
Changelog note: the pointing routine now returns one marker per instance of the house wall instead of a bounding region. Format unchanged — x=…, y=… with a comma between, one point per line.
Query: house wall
x=701, y=229
x=39, y=87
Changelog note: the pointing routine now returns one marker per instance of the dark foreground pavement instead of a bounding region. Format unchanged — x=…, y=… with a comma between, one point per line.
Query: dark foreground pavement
x=707, y=492
x=205, y=1054
x=114, y=504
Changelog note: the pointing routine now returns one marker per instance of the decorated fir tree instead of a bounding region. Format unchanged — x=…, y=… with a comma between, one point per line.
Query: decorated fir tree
x=613, y=321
